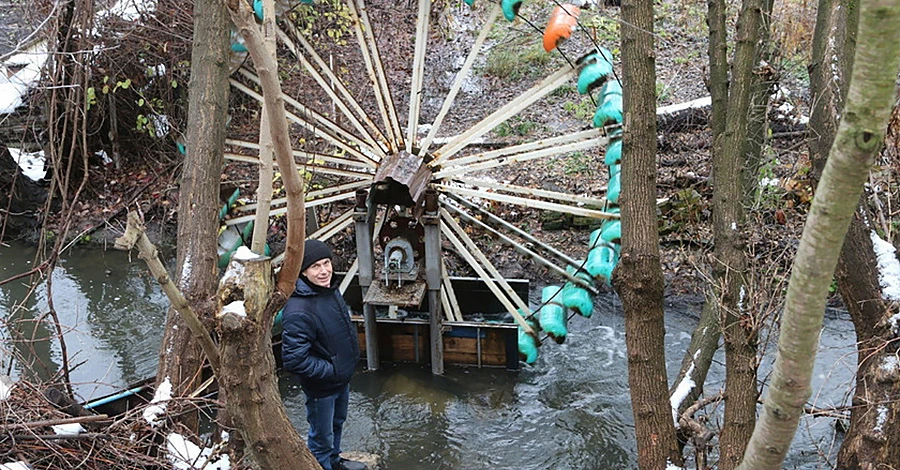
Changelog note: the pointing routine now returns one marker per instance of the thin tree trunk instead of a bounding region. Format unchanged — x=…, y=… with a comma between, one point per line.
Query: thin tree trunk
x=180, y=356
x=858, y=140
x=730, y=263
x=266, y=147
x=639, y=278
x=872, y=439
x=705, y=338
x=872, y=436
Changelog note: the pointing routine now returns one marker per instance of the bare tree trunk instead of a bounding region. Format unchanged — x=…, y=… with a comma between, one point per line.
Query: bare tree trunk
x=730, y=264
x=872, y=437
x=833, y=46
x=857, y=142
x=705, y=338
x=639, y=278
x=254, y=401
x=266, y=148
x=248, y=380
x=180, y=356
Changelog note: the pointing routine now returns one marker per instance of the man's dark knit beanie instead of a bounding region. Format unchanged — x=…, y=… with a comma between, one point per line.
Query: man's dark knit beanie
x=313, y=251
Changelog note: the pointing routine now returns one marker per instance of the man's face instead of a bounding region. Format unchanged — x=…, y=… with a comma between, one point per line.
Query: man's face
x=319, y=273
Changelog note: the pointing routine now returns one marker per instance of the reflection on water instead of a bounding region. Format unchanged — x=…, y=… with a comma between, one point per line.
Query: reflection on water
x=569, y=410
x=111, y=312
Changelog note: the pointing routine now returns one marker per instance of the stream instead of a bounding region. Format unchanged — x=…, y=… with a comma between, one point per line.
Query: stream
x=569, y=410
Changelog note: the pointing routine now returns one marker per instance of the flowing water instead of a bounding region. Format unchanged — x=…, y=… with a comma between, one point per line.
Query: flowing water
x=569, y=410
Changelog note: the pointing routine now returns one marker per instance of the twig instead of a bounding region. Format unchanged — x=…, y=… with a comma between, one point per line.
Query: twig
x=54, y=422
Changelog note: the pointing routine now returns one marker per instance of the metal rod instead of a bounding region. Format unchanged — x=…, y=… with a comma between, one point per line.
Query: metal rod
x=530, y=253
x=512, y=108
x=375, y=68
x=460, y=77
x=466, y=251
x=519, y=158
x=329, y=86
x=525, y=202
x=418, y=70
x=520, y=148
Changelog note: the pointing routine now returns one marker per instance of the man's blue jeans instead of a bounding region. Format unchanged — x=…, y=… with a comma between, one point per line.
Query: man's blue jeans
x=326, y=416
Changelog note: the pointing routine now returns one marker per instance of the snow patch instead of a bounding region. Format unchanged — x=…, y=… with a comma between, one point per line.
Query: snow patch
x=6, y=386
x=185, y=455
x=157, y=407
x=888, y=267
x=890, y=364
x=32, y=164
x=244, y=253
x=236, y=307
x=880, y=419
x=71, y=429
x=682, y=390
x=18, y=74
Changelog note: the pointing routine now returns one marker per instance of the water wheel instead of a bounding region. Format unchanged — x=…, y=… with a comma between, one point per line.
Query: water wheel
x=406, y=132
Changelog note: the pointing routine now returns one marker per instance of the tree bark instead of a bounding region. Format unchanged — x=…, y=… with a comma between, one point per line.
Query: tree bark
x=874, y=428
x=254, y=401
x=639, y=279
x=180, y=356
x=857, y=142
x=872, y=438
x=732, y=156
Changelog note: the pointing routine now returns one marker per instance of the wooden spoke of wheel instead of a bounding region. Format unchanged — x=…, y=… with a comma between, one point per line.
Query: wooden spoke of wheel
x=460, y=77
x=550, y=142
x=348, y=277
x=301, y=157
x=312, y=195
x=528, y=252
x=326, y=231
x=317, y=124
x=448, y=295
x=418, y=71
x=340, y=223
x=526, y=99
x=309, y=203
x=488, y=273
x=375, y=69
x=324, y=169
x=518, y=158
x=525, y=202
x=334, y=86
x=535, y=192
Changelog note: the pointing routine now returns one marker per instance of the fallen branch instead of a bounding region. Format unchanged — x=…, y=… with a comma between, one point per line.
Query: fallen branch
x=135, y=235
x=55, y=422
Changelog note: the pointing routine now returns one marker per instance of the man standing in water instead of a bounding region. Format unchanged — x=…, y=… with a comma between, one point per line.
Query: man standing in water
x=320, y=346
